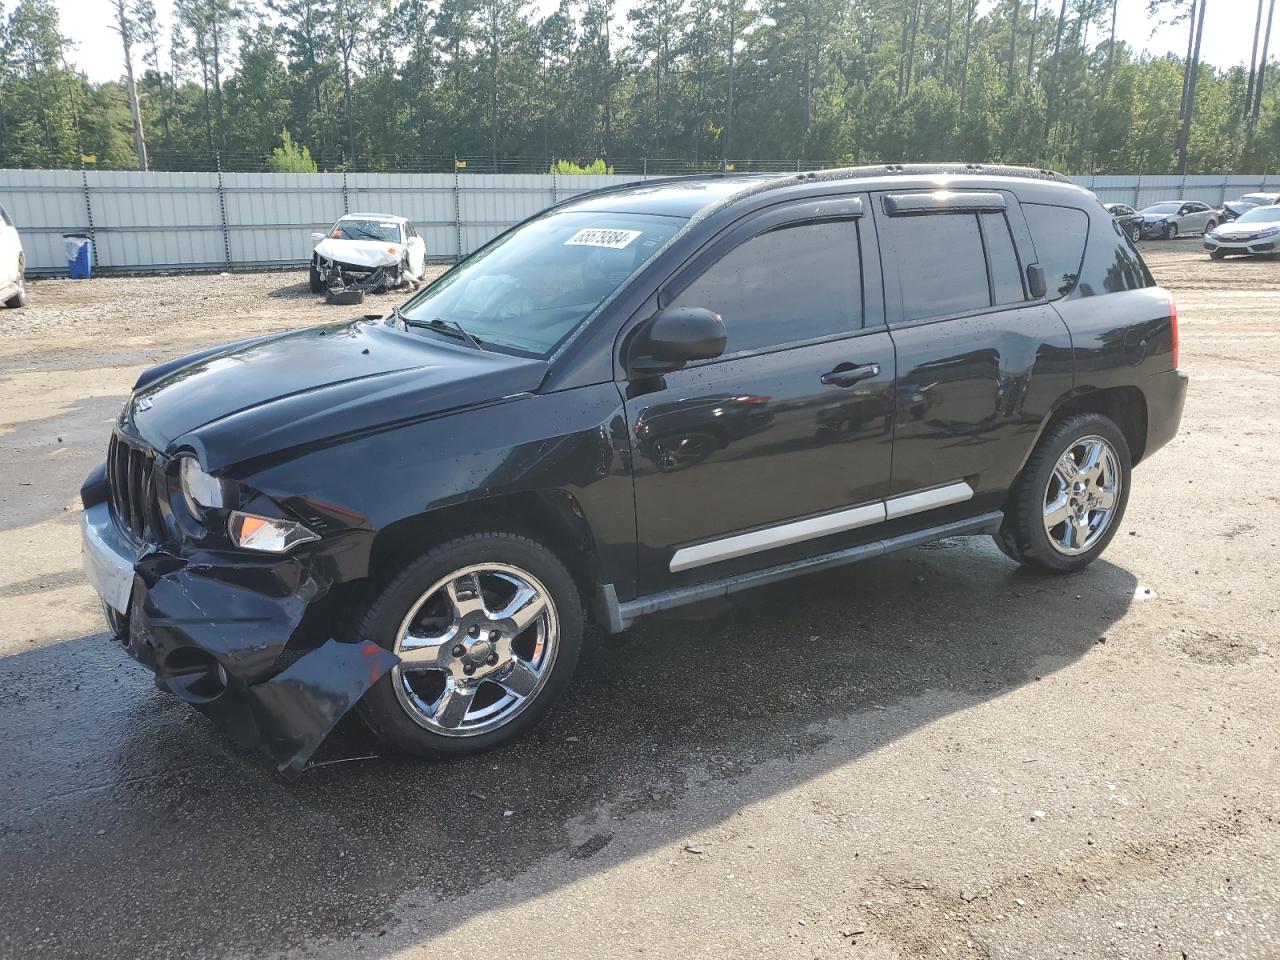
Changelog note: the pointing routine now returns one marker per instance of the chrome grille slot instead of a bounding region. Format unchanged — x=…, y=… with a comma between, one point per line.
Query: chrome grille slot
x=132, y=474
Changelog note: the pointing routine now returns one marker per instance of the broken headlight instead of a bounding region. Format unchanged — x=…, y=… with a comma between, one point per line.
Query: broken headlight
x=200, y=491
x=249, y=531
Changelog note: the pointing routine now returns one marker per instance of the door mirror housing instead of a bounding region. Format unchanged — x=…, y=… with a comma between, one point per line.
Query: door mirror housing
x=1035, y=281
x=317, y=237
x=675, y=336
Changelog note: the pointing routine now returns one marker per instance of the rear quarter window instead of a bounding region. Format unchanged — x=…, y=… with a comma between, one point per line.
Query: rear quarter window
x=1082, y=258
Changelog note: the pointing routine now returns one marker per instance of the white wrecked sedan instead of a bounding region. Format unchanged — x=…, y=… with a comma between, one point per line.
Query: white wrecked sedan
x=360, y=243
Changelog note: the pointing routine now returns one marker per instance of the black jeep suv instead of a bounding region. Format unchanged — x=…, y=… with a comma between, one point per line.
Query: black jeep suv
x=642, y=397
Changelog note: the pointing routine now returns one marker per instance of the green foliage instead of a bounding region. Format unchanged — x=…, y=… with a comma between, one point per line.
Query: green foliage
x=291, y=158
x=569, y=167
x=410, y=84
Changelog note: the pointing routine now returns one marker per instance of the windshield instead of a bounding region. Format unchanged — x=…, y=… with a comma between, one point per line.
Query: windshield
x=532, y=288
x=1168, y=206
x=1267, y=214
x=356, y=228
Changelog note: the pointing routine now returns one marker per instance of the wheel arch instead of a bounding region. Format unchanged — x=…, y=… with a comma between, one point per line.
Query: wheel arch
x=1125, y=405
x=553, y=518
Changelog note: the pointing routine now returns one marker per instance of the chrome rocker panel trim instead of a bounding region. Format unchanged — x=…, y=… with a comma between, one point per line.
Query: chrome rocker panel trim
x=810, y=528
x=619, y=616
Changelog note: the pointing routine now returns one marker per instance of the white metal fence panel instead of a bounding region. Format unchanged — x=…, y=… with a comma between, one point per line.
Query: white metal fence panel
x=211, y=221
x=45, y=204
x=1142, y=191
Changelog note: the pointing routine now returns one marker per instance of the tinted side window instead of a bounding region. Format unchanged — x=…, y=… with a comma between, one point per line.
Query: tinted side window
x=1111, y=264
x=940, y=265
x=788, y=285
x=1059, y=234
x=1006, y=272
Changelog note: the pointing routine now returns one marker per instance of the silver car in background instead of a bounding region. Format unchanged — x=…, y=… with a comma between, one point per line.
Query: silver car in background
x=1178, y=218
x=1255, y=232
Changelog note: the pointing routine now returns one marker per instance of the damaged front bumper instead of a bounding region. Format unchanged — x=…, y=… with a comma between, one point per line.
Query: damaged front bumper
x=335, y=272
x=236, y=666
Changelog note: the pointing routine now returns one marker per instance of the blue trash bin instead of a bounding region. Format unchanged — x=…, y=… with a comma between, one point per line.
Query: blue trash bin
x=79, y=255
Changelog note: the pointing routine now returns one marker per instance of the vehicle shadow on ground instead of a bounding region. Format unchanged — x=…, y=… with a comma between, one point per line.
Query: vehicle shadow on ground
x=116, y=791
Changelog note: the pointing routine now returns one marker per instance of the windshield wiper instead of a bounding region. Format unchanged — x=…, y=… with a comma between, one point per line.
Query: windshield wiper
x=448, y=327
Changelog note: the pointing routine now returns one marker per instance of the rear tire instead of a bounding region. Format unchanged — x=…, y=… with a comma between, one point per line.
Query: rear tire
x=479, y=666
x=1042, y=492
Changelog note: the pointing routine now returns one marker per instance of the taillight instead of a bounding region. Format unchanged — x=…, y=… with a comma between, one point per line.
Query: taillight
x=1173, y=328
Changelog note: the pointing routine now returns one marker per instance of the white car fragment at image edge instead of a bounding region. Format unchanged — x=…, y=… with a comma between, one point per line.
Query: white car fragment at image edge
x=13, y=291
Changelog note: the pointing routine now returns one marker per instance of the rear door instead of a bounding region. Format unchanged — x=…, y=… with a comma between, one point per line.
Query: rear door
x=980, y=361
x=778, y=448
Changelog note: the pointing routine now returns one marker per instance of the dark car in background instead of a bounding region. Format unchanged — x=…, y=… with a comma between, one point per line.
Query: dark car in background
x=1129, y=220
x=1170, y=219
x=1234, y=208
x=642, y=397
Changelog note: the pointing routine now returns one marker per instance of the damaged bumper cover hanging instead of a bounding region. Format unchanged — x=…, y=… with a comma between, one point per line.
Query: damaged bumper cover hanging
x=236, y=666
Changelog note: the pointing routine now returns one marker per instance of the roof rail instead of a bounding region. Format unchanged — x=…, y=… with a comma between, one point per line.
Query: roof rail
x=778, y=180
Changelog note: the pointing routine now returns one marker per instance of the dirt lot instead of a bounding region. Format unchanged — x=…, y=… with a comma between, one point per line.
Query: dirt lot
x=930, y=755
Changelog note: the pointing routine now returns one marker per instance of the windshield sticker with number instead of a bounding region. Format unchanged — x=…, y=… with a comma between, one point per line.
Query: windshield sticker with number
x=596, y=237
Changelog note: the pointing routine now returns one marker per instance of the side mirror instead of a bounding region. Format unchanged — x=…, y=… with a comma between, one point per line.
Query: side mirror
x=674, y=337
x=1035, y=281
x=317, y=237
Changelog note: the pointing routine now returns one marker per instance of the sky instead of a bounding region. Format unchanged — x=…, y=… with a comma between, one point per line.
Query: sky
x=1228, y=32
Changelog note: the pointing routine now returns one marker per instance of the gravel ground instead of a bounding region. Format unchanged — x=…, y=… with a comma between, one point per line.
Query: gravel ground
x=930, y=755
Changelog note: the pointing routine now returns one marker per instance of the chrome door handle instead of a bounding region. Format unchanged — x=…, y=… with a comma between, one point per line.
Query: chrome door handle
x=847, y=374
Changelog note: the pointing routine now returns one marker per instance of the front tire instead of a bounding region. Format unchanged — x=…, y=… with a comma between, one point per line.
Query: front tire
x=1217, y=255
x=1135, y=232
x=1068, y=502
x=488, y=628
x=1171, y=231
x=314, y=281
x=1208, y=227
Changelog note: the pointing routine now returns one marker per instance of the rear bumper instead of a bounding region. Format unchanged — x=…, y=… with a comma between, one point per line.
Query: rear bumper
x=1166, y=395
x=215, y=629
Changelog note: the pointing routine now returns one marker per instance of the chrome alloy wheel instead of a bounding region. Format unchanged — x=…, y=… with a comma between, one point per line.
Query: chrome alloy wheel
x=1081, y=498
x=475, y=649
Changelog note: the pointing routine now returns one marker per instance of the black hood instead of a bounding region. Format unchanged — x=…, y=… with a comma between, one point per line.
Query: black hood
x=259, y=397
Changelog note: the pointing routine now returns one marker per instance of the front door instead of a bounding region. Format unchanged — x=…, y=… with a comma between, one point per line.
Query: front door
x=775, y=449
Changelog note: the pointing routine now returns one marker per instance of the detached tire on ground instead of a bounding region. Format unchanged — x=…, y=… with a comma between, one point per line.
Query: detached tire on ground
x=1068, y=502
x=488, y=628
